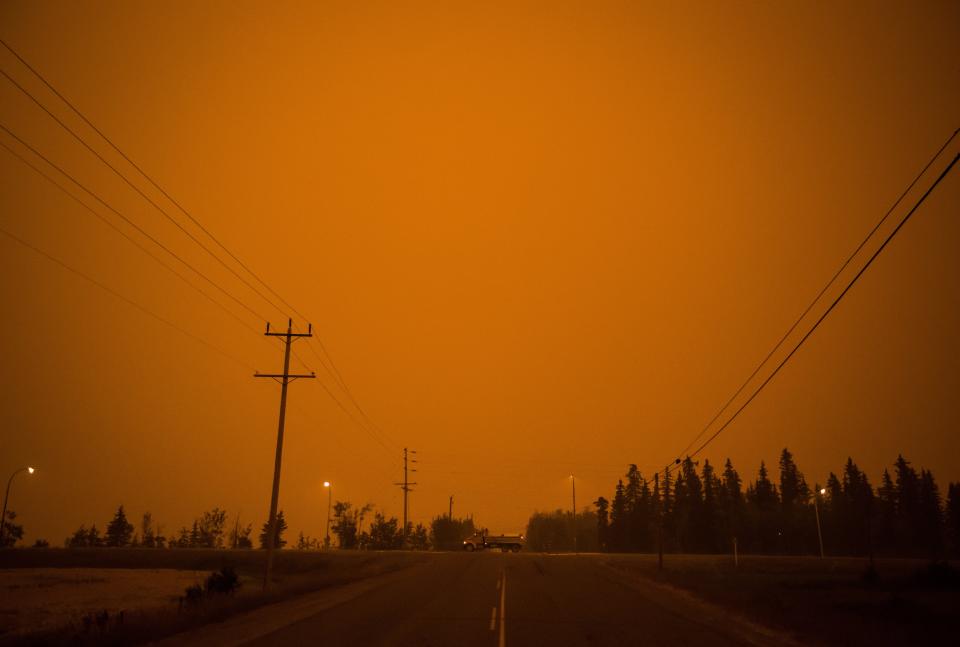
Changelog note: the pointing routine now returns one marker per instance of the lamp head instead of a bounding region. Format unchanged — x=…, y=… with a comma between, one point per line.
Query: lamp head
x=823, y=490
x=30, y=470
x=326, y=484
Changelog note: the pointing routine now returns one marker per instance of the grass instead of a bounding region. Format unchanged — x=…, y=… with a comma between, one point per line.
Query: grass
x=294, y=572
x=829, y=601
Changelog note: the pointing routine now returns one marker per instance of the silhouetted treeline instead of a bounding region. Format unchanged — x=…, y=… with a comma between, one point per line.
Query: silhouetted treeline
x=553, y=531
x=209, y=530
x=385, y=533
x=448, y=533
x=700, y=510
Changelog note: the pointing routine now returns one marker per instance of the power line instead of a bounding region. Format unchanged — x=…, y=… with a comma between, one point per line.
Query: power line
x=128, y=221
x=820, y=294
x=139, y=191
x=149, y=178
x=127, y=236
x=123, y=298
x=172, y=253
x=158, y=260
x=359, y=423
x=830, y=309
x=354, y=418
x=335, y=373
x=324, y=364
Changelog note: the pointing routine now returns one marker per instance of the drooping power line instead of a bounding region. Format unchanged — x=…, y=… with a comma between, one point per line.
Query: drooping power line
x=123, y=298
x=335, y=373
x=829, y=309
x=139, y=191
x=127, y=236
x=130, y=222
x=150, y=179
x=820, y=294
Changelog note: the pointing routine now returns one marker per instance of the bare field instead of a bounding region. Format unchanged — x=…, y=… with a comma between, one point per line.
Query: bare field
x=831, y=601
x=35, y=599
x=54, y=595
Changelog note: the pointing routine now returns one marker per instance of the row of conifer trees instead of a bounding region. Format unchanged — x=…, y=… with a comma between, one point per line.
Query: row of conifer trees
x=696, y=509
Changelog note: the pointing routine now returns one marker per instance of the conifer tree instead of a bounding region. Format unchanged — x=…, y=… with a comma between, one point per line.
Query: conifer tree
x=931, y=515
x=618, y=521
x=667, y=491
x=908, y=505
x=631, y=495
x=699, y=511
x=711, y=510
x=603, y=522
x=119, y=530
x=281, y=526
x=886, y=527
x=953, y=519
x=688, y=507
x=762, y=500
x=732, y=505
x=794, y=497
x=858, y=509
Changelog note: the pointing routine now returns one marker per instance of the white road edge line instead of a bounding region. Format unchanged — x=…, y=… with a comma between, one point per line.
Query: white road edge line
x=493, y=618
x=503, y=609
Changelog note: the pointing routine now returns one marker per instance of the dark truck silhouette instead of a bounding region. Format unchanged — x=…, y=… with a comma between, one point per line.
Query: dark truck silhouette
x=482, y=541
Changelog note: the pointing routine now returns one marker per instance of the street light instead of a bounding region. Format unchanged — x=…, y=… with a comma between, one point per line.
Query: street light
x=816, y=510
x=329, y=487
x=6, y=496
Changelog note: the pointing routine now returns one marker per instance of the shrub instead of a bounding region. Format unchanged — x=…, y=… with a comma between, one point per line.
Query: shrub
x=225, y=581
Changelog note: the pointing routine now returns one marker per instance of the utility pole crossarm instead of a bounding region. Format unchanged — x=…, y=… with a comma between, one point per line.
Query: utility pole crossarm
x=289, y=376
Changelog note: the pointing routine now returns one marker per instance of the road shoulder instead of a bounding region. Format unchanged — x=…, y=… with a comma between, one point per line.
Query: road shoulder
x=264, y=620
x=687, y=605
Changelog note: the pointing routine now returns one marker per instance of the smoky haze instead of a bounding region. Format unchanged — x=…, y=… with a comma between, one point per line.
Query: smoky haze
x=538, y=240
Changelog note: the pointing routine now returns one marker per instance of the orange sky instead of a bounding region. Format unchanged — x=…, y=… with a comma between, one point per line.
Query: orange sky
x=538, y=239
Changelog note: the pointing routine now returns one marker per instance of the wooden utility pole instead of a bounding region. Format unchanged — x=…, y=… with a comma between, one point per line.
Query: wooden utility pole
x=283, y=379
x=405, y=486
x=450, y=513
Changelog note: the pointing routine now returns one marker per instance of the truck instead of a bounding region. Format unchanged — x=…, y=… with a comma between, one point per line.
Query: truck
x=482, y=541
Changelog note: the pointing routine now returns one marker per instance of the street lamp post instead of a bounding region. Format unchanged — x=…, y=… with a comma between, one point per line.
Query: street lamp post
x=6, y=496
x=329, y=487
x=816, y=510
x=573, y=485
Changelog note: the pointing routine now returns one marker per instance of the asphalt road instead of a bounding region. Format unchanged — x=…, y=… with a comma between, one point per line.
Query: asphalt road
x=496, y=599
